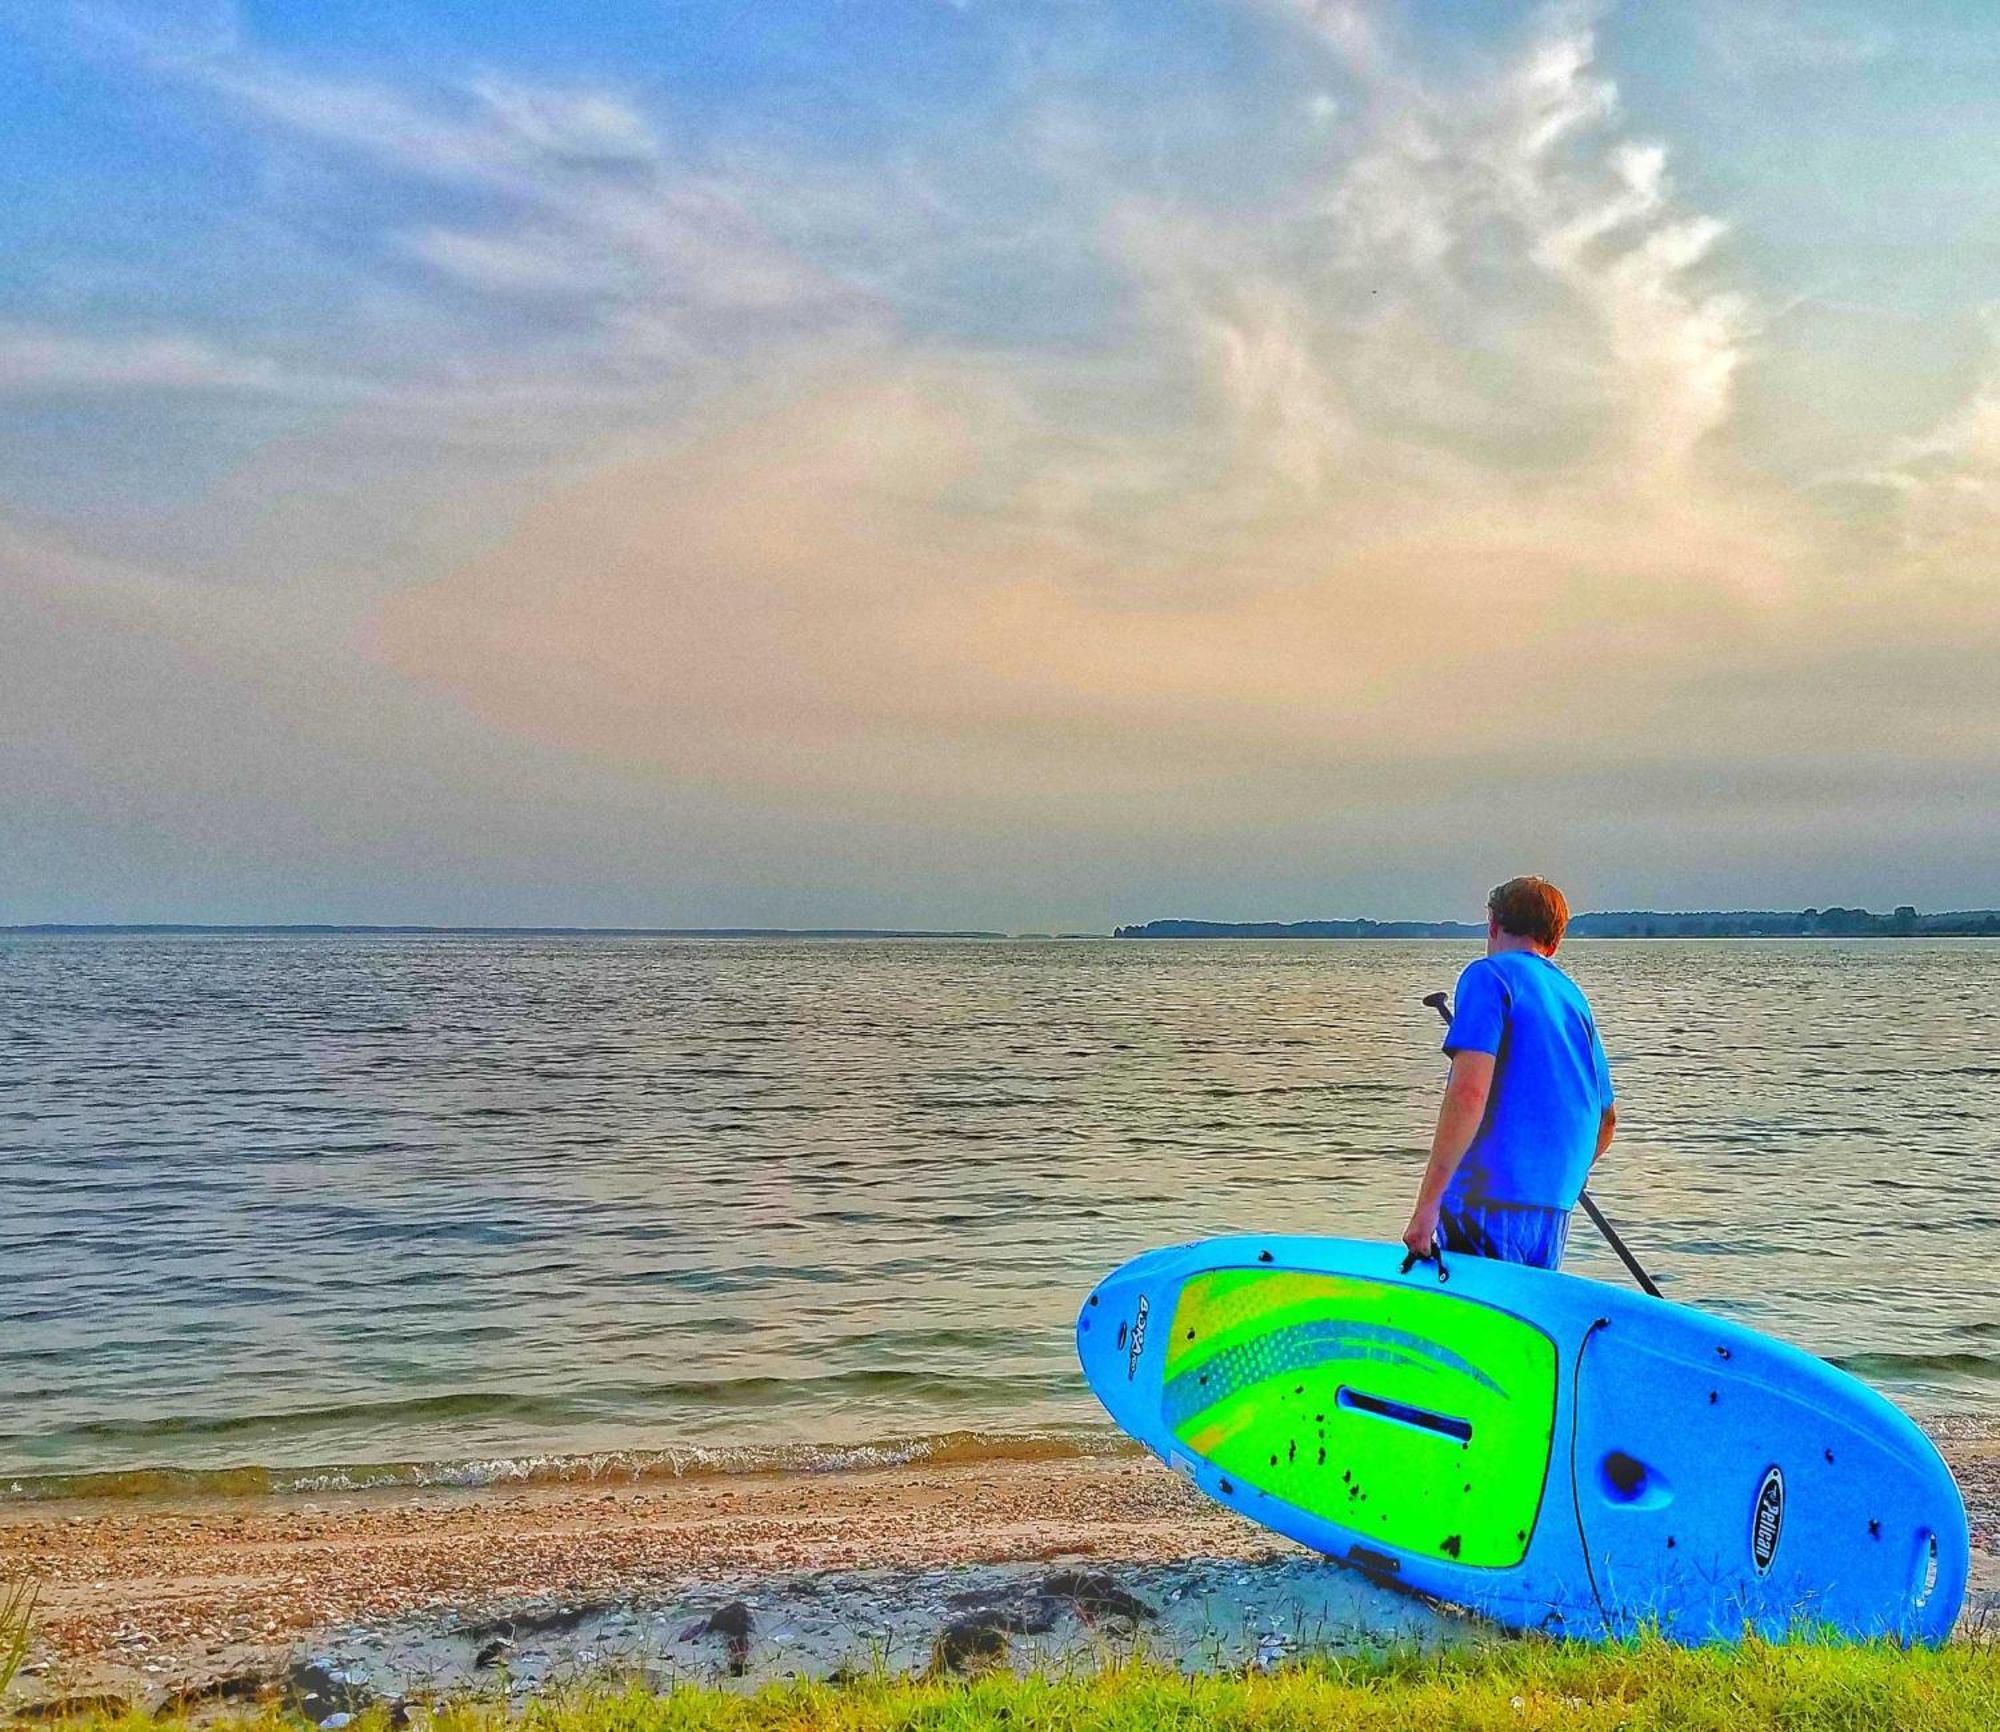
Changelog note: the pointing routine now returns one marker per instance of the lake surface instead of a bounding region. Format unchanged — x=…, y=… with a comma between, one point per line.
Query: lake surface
x=326, y=1210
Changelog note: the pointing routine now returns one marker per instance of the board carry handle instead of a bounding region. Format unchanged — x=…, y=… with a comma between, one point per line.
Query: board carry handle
x=1438, y=1002
x=1434, y=1255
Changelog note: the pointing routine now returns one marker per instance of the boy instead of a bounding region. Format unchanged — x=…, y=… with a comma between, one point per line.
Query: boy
x=1528, y=1105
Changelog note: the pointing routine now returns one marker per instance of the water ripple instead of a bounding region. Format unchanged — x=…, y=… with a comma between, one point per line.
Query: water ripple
x=274, y=1202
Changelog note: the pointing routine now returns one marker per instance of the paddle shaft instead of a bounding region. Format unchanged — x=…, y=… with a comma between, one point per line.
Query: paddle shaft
x=1442, y=1005
x=1617, y=1244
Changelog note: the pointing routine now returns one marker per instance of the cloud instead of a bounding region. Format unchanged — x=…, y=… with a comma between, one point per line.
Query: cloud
x=175, y=748
x=524, y=263
x=33, y=359
x=1352, y=29
x=1758, y=39
x=511, y=137
x=585, y=203
x=158, y=26
x=1944, y=488
x=484, y=227
x=1443, y=503
x=1404, y=490
x=584, y=128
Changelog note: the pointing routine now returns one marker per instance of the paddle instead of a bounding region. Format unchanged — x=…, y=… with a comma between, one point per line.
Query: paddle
x=1442, y=1005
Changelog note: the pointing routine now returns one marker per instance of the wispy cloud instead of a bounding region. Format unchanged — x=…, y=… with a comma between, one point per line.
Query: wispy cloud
x=33, y=359
x=582, y=128
x=1760, y=39
x=587, y=205
x=1945, y=487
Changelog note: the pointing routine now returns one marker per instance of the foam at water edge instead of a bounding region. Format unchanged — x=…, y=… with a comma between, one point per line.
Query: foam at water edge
x=674, y=1462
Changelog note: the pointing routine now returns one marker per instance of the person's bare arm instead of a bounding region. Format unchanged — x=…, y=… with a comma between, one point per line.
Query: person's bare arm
x=1459, y=1118
x=1606, y=1127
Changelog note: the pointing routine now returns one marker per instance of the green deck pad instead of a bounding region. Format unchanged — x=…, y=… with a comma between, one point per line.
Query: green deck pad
x=1417, y=1419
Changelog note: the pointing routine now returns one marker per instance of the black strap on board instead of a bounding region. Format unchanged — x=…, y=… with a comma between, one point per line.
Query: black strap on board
x=1435, y=1255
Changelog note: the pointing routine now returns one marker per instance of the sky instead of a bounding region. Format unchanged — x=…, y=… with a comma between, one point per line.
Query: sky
x=1024, y=465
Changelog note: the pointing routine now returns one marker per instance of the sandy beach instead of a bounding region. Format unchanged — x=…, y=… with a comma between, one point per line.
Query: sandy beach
x=137, y=1595
x=141, y=1597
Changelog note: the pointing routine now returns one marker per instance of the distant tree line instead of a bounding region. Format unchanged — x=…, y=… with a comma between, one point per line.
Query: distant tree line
x=1905, y=922
x=1835, y=922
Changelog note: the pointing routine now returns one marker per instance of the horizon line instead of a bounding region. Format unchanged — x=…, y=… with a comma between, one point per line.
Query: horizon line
x=549, y=930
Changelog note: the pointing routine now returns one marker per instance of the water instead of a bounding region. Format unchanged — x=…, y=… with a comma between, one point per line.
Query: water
x=320, y=1211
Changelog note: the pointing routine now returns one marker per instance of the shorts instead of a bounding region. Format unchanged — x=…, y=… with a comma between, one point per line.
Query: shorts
x=1506, y=1232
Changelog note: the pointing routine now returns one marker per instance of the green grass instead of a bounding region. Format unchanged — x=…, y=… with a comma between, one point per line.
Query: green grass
x=17, y=1624
x=1517, y=1686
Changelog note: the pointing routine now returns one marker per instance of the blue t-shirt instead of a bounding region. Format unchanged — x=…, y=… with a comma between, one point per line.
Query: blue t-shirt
x=1551, y=1083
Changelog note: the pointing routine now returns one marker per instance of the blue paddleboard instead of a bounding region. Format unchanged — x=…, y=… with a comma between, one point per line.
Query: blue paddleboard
x=1552, y=1452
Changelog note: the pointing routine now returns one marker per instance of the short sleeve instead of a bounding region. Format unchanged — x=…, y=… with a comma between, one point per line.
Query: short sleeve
x=1479, y=1011
x=1605, y=1094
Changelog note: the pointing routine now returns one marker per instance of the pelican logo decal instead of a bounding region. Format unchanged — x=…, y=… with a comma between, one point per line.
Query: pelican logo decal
x=1767, y=1521
x=1138, y=1340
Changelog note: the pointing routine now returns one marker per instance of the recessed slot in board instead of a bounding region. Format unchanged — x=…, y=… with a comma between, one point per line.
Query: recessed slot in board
x=1444, y=1424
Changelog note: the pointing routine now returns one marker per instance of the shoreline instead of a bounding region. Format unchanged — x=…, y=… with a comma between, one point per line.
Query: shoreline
x=140, y=1596
x=144, y=1597
x=171, y=1487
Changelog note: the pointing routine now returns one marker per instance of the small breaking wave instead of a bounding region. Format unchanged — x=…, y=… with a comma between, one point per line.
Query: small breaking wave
x=1903, y=1367
x=610, y=1466
x=917, y=1387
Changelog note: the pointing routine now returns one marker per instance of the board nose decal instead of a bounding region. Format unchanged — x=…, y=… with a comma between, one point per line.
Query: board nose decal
x=1138, y=1340
x=1767, y=1521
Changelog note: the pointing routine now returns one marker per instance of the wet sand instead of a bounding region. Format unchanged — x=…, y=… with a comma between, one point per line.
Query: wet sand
x=137, y=1594
x=140, y=1597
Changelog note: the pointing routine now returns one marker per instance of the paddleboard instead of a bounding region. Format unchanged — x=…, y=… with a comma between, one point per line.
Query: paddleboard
x=1549, y=1451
